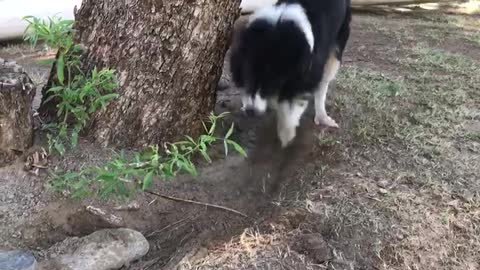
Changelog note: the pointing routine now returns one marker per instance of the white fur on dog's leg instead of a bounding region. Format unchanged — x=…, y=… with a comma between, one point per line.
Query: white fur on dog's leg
x=286, y=135
x=288, y=117
x=326, y=121
x=321, y=116
x=329, y=72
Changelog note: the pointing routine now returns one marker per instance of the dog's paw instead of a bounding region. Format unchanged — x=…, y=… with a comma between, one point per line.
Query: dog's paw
x=326, y=121
x=286, y=135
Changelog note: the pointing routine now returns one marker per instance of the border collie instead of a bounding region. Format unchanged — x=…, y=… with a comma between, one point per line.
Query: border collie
x=286, y=53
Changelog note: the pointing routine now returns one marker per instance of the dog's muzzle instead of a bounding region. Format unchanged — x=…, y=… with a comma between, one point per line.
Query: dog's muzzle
x=254, y=105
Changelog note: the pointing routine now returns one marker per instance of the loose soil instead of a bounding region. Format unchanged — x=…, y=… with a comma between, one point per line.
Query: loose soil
x=396, y=187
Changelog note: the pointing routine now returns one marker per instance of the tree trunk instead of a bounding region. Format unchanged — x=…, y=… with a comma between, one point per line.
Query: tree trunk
x=168, y=56
x=16, y=123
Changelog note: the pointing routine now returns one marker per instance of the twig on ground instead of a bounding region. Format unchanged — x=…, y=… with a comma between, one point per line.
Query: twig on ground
x=134, y=206
x=109, y=218
x=39, y=166
x=197, y=203
x=167, y=227
x=152, y=263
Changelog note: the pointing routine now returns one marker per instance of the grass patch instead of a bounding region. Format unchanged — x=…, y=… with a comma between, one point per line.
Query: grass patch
x=473, y=136
x=445, y=93
x=428, y=107
x=417, y=164
x=474, y=38
x=436, y=59
x=370, y=93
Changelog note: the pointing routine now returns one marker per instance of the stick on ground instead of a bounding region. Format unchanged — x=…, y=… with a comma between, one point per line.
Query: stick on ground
x=197, y=203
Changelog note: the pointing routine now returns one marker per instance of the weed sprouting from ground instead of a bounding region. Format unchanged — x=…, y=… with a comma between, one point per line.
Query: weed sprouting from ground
x=122, y=176
x=79, y=95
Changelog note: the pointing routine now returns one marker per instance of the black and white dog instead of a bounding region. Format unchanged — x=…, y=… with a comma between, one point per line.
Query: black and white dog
x=288, y=52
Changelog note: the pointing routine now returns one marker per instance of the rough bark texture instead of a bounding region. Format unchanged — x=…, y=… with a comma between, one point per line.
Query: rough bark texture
x=169, y=57
x=48, y=106
x=16, y=123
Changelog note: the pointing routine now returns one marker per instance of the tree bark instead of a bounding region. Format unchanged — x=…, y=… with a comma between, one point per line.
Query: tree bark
x=48, y=109
x=168, y=56
x=16, y=119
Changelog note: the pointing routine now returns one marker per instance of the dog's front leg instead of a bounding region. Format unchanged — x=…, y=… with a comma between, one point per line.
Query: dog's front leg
x=289, y=114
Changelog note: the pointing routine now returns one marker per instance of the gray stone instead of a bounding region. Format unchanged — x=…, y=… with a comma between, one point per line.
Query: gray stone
x=102, y=250
x=17, y=260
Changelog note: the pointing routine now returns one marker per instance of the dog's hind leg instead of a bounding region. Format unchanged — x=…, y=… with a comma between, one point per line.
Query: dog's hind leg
x=289, y=114
x=329, y=72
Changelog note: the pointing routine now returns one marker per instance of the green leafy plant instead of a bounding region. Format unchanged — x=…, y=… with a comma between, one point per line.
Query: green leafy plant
x=78, y=94
x=77, y=101
x=55, y=31
x=122, y=176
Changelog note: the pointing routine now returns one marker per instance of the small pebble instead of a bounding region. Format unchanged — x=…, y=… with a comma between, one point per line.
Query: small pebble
x=383, y=191
x=382, y=183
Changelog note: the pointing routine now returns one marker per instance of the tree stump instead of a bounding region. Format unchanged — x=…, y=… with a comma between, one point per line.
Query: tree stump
x=168, y=56
x=16, y=120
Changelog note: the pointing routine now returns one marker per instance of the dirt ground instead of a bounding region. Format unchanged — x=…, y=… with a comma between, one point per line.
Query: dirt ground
x=396, y=187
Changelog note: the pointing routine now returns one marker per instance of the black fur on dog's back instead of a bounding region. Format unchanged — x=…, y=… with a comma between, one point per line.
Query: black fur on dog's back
x=257, y=65
x=276, y=60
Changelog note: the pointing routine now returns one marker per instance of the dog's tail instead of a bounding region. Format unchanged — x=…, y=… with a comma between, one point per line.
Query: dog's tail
x=273, y=53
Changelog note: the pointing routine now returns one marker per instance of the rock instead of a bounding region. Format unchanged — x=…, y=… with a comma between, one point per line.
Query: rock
x=102, y=250
x=17, y=260
x=87, y=220
x=383, y=191
x=314, y=246
x=383, y=183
